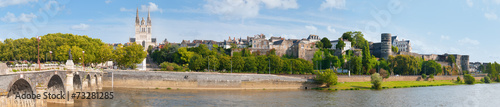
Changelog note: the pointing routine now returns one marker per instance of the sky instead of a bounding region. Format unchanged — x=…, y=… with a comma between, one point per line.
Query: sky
x=469, y=27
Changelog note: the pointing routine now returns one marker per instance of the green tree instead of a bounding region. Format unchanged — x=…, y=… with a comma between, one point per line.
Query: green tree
x=431, y=67
x=376, y=81
x=451, y=59
x=355, y=65
x=468, y=79
x=185, y=55
x=213, y=62
x=395, y=49
x=326, y=43
x=238, y=63
x=250, y=64
x=340, y=45
x=327, y=77
x=197, y=63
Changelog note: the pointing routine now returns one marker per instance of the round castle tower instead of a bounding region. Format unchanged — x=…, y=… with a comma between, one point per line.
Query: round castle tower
x=385, y=46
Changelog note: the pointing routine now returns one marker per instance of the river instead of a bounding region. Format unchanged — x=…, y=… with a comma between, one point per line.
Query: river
x=482, y=95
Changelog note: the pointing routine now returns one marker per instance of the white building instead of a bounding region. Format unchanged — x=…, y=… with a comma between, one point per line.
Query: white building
x=347, y=44
x=403, y=45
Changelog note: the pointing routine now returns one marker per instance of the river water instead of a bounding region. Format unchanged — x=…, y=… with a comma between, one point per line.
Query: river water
x=480, y=95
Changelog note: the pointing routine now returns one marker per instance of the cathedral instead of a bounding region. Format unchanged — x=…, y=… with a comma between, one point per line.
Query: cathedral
x=143, y=32
x=143, y=35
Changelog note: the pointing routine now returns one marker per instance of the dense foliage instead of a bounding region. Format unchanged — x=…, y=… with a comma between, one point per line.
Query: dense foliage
x=468, y=79
x=203, y=59
x=96, y=51
x=431, y=67
x=327, y=77
x=376, y=81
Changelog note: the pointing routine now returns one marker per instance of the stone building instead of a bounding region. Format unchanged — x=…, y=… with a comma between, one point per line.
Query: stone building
x=143, y=32
x=403, y=45
x=382, y=49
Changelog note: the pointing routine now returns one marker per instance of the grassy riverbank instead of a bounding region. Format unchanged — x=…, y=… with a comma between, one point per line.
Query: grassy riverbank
x=391, y=84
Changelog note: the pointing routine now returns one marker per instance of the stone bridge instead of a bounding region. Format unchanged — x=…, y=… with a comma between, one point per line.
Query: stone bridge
x=50, y=81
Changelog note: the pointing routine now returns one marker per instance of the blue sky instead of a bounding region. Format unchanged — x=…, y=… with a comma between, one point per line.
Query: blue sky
x=433, y=26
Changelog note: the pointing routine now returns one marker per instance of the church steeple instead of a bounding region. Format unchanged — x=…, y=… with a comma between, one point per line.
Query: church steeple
x=137, y=17
x=149, y=19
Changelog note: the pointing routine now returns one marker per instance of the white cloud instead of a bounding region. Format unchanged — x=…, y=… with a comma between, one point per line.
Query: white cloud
x=245, y=8
x=107, y=1
x=330, y=29
x=11, y=17
x=283, y=4
x=4, y=3
x=81, y=26
x=444, y=37
x=468, y=41
x=469, y=3
x=329, y=4
x=123, y=9
x=311, y=28
x=490, y=16
x=152, y=7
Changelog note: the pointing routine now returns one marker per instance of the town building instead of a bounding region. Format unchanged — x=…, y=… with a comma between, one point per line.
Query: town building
x=403, y=45
x=143, y=31
x=346, y=42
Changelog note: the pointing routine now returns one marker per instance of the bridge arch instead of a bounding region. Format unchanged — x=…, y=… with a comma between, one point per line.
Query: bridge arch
x=77, y=82
x=89, y=84
x=20, y=86
x=55, y=84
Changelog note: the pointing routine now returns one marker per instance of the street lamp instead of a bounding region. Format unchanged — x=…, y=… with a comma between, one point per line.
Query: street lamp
x=38, y=51
x=50, y=56
x=83, y=64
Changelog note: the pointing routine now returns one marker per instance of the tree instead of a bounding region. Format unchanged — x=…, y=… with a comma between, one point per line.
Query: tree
x=224, y=62
x=355, y=65
x=486, y=79
x=340, y=45
x=214, y=62
x=468, y=79
x=395, y=49
x=327, y=77
x=185, y=55
x=366, y=58
x=238, y=63
x=250, y=64
x=431, y=67
x=319, y=45
x=376, y=81
x=451, y=59
x=326, y=43
x=276, y=64
x=197, y=63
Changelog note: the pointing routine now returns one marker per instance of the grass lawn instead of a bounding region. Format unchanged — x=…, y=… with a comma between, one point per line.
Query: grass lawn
x=391, y=84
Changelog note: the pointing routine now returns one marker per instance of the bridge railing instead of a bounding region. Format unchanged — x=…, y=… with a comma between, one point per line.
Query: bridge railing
x=26, y=68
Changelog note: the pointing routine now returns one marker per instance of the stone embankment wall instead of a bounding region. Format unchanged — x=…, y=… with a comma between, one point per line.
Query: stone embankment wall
x=198, y=80
x=364, y=78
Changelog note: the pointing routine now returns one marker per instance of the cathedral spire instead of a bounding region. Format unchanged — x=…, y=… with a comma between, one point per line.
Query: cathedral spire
x=149, y=19
x=137, y=17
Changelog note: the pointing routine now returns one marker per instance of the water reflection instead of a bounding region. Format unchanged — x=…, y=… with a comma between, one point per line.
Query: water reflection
x=465, y=95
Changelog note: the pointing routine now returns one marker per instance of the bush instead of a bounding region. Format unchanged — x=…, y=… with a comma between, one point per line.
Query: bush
x=384, y=73
x=376, y=81
x=486, y=79
x=424, y=76
x=431, y=76
x=327, y=77
x=469, y=79
x=458, y=79
x=167, y=66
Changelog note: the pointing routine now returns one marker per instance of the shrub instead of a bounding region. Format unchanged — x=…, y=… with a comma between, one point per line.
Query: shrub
x=431, y=76
x=384, y=73
x=458, y=79
x=376, y=81
x=424, y=76
x=327, y=77
x=469, y=79
x=486, y=79
x=167, y=66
